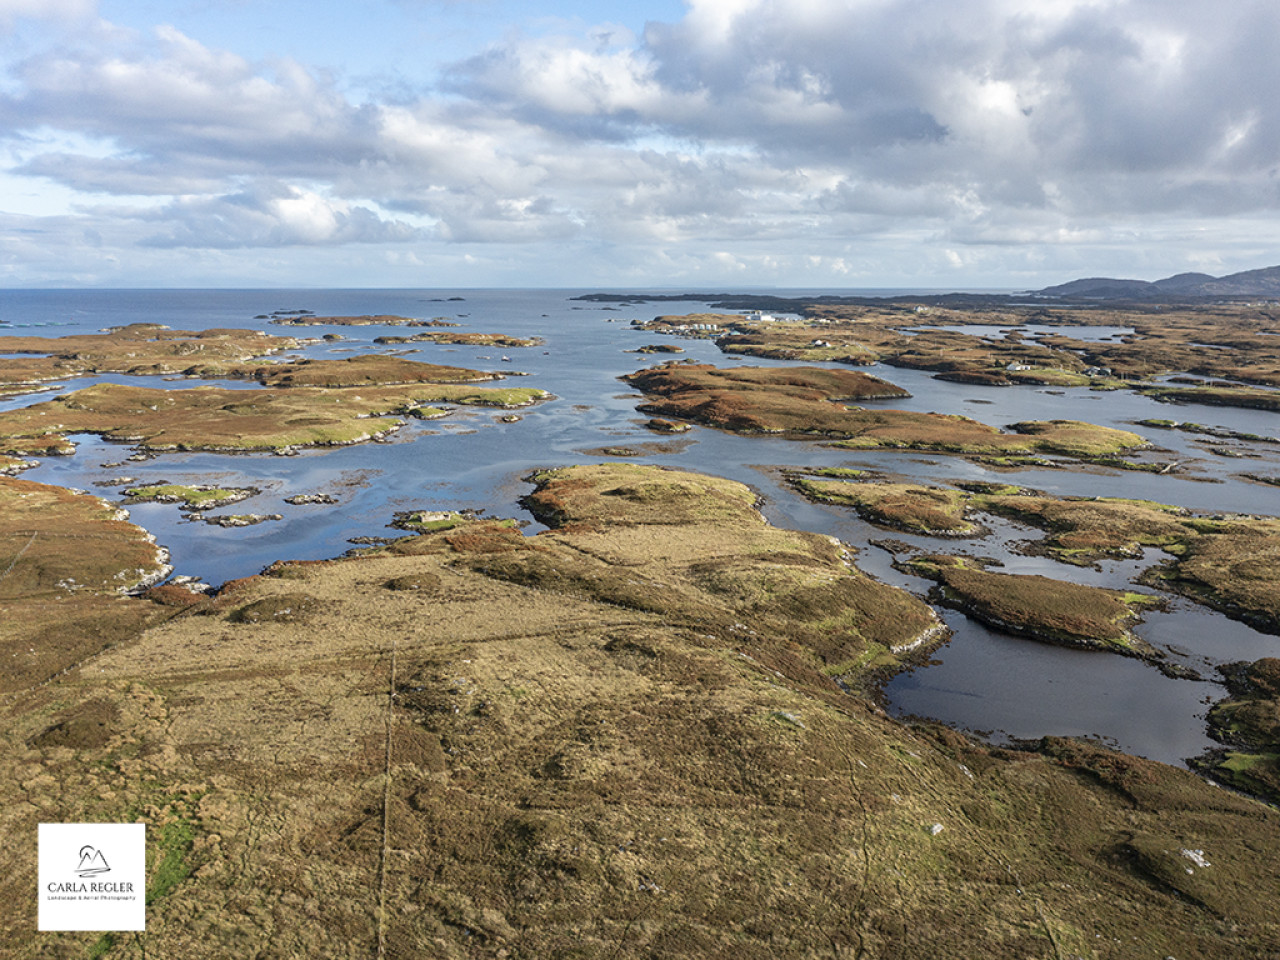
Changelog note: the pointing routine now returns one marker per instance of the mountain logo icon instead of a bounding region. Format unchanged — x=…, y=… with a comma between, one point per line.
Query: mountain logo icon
x=92, y=862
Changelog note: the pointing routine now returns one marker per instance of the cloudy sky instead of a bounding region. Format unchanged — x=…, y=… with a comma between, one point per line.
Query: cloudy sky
x=954, y=144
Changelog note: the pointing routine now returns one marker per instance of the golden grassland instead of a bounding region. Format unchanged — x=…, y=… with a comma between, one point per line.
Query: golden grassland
x=1229, y=562
x=151, y=349
x=1055, y=611
x=66, y=560
x=140, y=349
x=617, y=739
x=360, y=371
x=308, y=403
x=803, y=402
x=1213, y=341
x=198, y=496
x=467, y=339
x=219, y=418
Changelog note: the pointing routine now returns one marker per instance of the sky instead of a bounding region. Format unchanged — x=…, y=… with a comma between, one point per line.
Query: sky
x=687, y=144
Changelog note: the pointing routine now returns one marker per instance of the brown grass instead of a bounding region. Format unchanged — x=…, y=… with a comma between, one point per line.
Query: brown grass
x=1248, y=723
x=216, y=418
x=798, y=401
x=138, y=349
x=65, y=560
x=1056, y=611
x=911, y=507
x=548, y=772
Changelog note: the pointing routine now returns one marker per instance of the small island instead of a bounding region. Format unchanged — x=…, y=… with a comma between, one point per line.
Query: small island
x=307, y=319
x=200, y=496
x=1053, y=611
x=1229, y=562
x=808, y=402
x=1229, y=343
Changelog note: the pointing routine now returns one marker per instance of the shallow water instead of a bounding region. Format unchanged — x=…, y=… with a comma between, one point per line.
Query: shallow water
x=980, y=680
x=1092, y=334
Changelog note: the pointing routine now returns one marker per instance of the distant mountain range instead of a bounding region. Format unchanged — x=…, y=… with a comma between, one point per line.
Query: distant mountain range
x=1184, y=286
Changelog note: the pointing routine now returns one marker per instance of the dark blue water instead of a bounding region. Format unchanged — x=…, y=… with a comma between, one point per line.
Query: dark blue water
x=980, y=680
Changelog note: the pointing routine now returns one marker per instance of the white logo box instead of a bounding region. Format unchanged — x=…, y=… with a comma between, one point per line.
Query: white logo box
x=93, y=876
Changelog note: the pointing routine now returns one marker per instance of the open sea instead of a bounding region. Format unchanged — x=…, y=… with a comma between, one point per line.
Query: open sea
x=981, y=681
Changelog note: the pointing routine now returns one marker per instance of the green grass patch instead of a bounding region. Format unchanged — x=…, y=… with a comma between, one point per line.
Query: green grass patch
x=171, y=866
x=1050, y=377
x=101, y=946
x=197, y=497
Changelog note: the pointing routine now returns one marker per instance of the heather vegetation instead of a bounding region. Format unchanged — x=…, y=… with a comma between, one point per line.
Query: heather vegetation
x=651, y=729
x=67, y=561
x=149, y=350
x=1055, y=611
x=140, y=349
x=217, y=418
x=1219, y=342
x=808, y=402
x=1225, y=396
x=617, y=739
x=361, y=371
x=310, y=403
x=1248, y=724
x=1228, y=562
x=916, y=509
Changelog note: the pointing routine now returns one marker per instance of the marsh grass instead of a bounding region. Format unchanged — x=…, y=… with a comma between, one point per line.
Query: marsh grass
x=192, y=497
x=534, y=768
x=1248, y=722
x=910, y=507
x=1055, y=611
x=215, y=418
x=1250, y=397
x=804, y=402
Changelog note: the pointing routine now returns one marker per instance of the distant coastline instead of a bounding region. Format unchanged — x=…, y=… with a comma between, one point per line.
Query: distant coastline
x=1183, y=288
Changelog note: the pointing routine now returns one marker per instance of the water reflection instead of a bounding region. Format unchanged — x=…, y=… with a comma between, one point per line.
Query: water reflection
x=980, y=680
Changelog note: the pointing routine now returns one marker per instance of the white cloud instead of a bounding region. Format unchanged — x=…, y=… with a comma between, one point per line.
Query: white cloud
x=268, y=215
x=67, y=10
x=813, y=127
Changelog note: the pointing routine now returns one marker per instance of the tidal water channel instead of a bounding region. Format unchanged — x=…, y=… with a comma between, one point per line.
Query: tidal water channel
x=981, y=681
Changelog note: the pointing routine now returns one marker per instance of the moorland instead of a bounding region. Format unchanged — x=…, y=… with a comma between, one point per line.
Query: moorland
x=651, y=729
